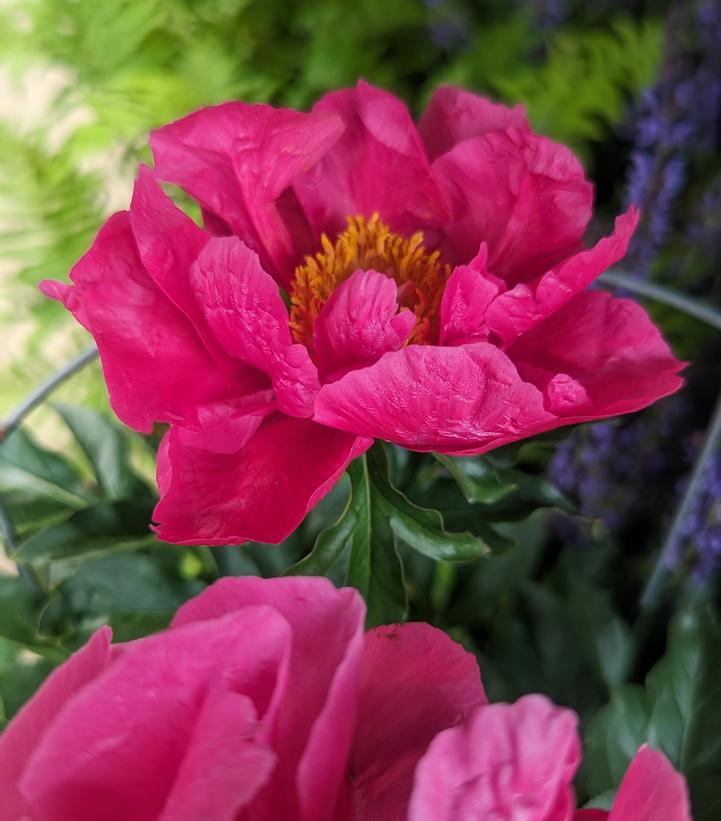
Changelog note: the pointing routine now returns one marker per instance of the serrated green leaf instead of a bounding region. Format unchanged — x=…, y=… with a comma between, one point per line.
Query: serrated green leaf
x=476, y=478
x=677, y=712
x=19, y=618
x=87, y=534
x=420, y=528
x=106, y=448
x=26, y=465
x=531, y=493
x=329, y=545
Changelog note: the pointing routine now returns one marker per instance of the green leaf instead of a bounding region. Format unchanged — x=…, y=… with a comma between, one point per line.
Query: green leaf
x=677, y=712
x=329, y=545
x=106, y=448
x=20, y=611
x=21, y=673
x=531, y=493
x=26, y=466
x=374, y=567
x=420, y=528
x=476, y=478
x=87, y=534
x=128, y=583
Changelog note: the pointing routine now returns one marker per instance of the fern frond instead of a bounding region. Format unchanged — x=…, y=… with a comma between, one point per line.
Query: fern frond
x=582, y=88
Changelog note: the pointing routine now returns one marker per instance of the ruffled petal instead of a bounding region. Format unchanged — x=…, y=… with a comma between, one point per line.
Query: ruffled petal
x=651, y=790
x=415, y=682
x=454, y=115
x=378, y=165
x=168, y=243
x=359, y=323
x=597, y=356
x=237, y=160
x=468, y=293
x=156, y=367
x=508, y=761
x=524, y=306
x=443, y=399
x=522, y=194
x=261, y=491
x=20, y=738
x=116, y=748
x=313, y=730
x=245, y=312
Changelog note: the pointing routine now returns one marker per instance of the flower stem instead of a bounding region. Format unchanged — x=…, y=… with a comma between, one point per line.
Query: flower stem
x=664, y=564
x=667, y=296
x=41, y=393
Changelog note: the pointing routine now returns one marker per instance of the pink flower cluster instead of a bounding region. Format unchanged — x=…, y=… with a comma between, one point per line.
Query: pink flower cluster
x=265, y=700
x=436, y=287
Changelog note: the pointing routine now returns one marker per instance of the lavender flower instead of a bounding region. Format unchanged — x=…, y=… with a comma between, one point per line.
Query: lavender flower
x=608, y=466
x=701, y=530
x=449, y=25
x=549, y=14
x=674, y=118
x=708, y=77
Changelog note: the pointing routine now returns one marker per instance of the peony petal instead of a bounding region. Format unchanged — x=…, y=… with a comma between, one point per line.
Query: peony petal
x=468, y=293
x=590, y=815
x=454, y=115
x=20, y=738
x=155, y=364
x=168, y=243
x=522, y=194
x=359, y=323
x=415, y=682
x=312, y=733
x=524, y=306
x=261, y=492
x=651, y=790
x=115, y=750
x=237, y=159
x=378, y=165
x=443, y=399
x=245, y=312
x=597, y=356
x=225, y=765
x=508, y=761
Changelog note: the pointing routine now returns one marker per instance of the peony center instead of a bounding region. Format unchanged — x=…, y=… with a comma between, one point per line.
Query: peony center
x=370, y=245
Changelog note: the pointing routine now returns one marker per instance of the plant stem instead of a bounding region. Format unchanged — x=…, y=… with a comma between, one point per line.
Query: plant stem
x=667, y=296
x=41, y=393
x=664, y=565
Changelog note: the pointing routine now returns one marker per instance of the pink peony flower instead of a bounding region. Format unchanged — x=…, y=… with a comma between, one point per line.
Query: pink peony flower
x=437, y=298
x=265, y=701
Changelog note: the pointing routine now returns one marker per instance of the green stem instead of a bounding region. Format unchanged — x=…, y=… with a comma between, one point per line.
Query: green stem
x=41, y=393
x=664, y=565
x=667, y=296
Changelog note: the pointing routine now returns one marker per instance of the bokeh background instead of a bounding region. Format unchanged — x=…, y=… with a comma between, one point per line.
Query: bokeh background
x=633, y=87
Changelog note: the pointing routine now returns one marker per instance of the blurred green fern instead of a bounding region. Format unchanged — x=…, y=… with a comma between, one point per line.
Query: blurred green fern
x=131, y=65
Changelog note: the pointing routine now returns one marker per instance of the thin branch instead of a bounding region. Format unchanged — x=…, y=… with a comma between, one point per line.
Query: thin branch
x=668, y=296
x=41, y=393
x=666, y=560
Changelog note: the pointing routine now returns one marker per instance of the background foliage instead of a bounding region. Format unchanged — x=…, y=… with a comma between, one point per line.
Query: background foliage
x=584, y=567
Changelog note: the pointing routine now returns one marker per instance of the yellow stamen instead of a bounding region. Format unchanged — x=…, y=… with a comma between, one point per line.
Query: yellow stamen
x=370, y=244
